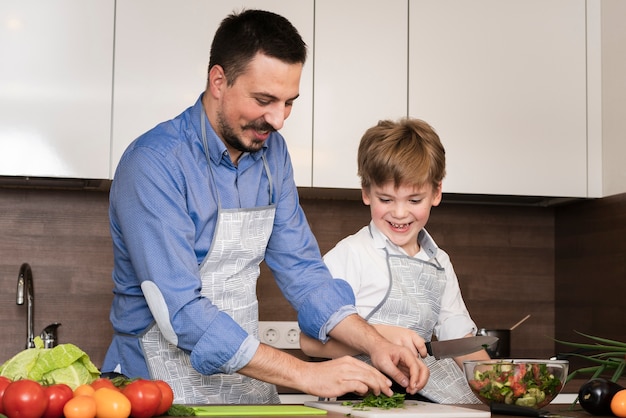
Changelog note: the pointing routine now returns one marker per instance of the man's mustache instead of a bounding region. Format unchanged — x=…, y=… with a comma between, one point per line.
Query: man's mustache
x=260, y=126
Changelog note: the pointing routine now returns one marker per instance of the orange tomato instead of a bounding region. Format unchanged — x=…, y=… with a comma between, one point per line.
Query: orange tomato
x=85, y=390
x=111, y=403
x=618, y=404
x=81, y=406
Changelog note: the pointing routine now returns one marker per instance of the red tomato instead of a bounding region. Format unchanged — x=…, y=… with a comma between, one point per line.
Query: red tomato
x=58, y=395
x=103, y=382
x=168, y=397
x=144, y=396
x=24, y=399
x=4, y=382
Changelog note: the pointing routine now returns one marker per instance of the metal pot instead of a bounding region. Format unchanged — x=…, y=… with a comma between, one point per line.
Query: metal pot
x=502, y=348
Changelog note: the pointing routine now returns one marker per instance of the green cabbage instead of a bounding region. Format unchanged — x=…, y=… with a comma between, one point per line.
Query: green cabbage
x=64, y=363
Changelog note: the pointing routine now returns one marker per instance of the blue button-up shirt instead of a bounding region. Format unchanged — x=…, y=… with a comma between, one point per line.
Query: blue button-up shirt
x=163, y=213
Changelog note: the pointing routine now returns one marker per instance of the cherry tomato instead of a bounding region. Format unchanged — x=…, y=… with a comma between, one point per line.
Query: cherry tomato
x=103, y=382
x=168, y=397
x=4, y=382
x=84, y=389
x=111, y=403
x=618, y=404
x=81, y=406
x=24, y=399
x=58, y=394
x=145, y=398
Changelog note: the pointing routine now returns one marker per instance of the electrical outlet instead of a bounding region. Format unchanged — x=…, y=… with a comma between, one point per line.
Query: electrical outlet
x=280, y=334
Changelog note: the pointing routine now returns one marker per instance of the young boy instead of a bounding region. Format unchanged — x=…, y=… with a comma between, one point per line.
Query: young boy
x=403, y=283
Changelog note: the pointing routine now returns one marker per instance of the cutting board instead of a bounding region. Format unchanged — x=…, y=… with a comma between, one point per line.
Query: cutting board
x=411, y=408
x=242, y=410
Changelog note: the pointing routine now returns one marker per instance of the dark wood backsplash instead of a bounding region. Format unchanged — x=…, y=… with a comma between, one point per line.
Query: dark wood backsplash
x=504, y=257
x=64, y=236
x=591, y=270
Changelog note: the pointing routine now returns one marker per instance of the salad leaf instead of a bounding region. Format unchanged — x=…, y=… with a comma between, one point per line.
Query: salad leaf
x=18, y=366
x=65, y=363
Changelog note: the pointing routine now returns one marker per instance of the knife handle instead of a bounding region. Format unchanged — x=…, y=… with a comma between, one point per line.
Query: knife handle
x=429, y=349
x=522, y=411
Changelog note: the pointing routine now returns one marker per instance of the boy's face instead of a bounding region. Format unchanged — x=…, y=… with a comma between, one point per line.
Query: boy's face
x=401, y=213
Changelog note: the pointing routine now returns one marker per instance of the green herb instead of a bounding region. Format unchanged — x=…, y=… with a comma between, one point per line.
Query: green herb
x=178, y=410
x=610, y=355
x=381, y=401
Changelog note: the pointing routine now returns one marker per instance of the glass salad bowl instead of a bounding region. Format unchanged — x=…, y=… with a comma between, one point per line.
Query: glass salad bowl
x=530, y=383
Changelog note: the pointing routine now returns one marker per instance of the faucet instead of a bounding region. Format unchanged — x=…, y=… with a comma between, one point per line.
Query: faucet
x=49, y=335
x=25, y=283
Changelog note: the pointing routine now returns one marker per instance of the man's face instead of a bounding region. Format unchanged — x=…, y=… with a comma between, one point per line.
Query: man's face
x=256, y=104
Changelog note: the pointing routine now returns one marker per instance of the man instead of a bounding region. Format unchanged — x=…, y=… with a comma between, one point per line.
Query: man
x=196, y=204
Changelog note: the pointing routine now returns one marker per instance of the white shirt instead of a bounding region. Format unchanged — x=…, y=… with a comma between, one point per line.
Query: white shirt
x=360, y=259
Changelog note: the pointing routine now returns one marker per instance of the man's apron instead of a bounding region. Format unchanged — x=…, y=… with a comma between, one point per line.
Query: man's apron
x=229, y=274
x=413, y=301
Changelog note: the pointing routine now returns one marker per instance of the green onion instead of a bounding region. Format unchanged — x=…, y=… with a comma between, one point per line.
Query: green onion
x=611, y=355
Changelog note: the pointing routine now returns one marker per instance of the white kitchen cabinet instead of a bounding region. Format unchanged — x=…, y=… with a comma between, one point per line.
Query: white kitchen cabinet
x=606, y=80
x=360, y=78
x=161, y=60
x=504, y=84
x=55, y=88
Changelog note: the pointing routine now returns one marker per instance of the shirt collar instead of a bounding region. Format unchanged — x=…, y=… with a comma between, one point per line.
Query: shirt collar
x=428, y=247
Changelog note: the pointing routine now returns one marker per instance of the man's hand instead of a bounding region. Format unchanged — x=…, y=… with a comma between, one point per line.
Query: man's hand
x=327, y=379
x=401, y=365
x=332, y=378
x=397, y=362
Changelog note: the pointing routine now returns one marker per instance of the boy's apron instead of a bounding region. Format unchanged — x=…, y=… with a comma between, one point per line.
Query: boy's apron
x=413, y=301
x=229, y=274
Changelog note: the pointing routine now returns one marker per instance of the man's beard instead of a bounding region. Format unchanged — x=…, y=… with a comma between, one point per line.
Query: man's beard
x=233, y=140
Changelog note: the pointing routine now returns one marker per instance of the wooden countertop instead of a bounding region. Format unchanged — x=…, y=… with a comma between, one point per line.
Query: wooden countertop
x=562, y=409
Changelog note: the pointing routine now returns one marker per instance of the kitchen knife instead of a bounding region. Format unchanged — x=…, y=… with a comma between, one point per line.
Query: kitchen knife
x=522, y=411
x=458, y=346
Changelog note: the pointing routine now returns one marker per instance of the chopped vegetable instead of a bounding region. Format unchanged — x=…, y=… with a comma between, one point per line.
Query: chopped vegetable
x=516, y=383
x=381, y=401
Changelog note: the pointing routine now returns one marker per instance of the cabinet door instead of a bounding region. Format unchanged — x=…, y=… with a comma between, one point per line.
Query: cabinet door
x=161, y=60
x=360, y=78
x=55, y=88
x=503, y=83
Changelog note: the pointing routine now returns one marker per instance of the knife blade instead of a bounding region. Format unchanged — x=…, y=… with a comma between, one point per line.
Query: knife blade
x=522, y=411
x=459, y=346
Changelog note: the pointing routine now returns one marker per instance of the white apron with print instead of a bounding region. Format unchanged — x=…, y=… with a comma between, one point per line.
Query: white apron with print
x=413, y=301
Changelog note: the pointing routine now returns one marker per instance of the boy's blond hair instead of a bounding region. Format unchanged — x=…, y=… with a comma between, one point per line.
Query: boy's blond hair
x=406, y=152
